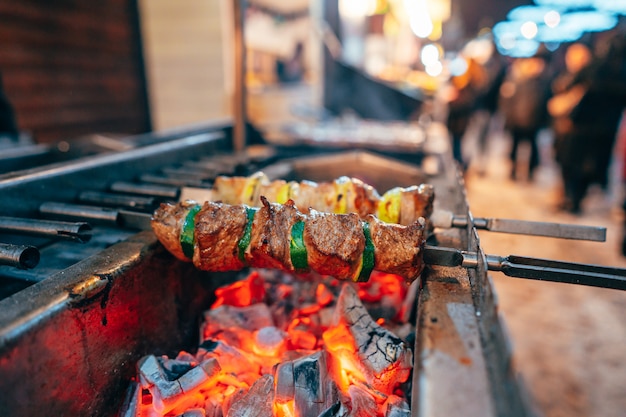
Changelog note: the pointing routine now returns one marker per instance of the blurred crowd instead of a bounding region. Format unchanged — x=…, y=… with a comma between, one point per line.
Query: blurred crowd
x=576, y=93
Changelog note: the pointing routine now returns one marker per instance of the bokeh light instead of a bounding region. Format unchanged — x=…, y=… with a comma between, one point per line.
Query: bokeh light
x=529, y=30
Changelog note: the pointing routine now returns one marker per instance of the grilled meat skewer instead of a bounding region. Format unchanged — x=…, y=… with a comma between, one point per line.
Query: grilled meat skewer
x=397, y=205
x=343, y=195
x=222, y=237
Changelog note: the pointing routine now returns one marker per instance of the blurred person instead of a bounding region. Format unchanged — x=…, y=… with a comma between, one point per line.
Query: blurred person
x=494, y=68
x=586, y=146
x=523, y=97
x=567, y=90
x=460, y=96
x=577, y=57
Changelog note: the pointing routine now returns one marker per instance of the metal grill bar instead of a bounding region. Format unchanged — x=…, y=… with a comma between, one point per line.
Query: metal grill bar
x=80, y=232
x=25, y=257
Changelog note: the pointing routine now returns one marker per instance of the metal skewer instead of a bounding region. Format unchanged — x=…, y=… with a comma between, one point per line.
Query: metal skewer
x=24, y=257
x=532, y=268
x=447, y=220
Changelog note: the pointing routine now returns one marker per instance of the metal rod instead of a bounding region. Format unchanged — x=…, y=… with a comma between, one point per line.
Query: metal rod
x=175, y=181
x=67, y=230
x=239, y=99
x=23, y=257
x=188, y=173
x=117, y=200
x=570, y=275
x=80, y=212
x=102, y=215
x=446, y=219
x=548, y=229
x=155, y=190
x=210, y=167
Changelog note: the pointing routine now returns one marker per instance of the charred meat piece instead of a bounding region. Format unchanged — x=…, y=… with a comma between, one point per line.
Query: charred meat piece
x=167, y=223
x=220, y=237
x=335, y=243
x=215, y=226
x=270, y=236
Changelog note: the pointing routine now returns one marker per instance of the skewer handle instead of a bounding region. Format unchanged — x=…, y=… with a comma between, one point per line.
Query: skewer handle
x=532, y=268
x=566, y=272
x=522, y=227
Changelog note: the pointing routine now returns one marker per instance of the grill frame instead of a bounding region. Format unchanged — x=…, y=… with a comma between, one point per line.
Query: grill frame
x=69, y=344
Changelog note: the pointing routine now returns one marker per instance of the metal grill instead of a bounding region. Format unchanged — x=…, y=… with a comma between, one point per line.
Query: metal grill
x=72, y=327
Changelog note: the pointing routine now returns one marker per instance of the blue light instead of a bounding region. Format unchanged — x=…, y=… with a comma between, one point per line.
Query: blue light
x=575, y=18
x=507, y=27
x=530, y=13
x=588, y=21
x=523, y=48
x=615, y=6
x=560, y=33
x=566, y=4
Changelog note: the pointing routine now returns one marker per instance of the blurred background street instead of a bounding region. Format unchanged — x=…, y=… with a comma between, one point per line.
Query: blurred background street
x=568, y=340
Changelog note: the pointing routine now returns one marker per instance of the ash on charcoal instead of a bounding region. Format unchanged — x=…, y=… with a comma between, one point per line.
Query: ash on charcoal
x=257, y=402
x=270, y=341
x=285, y=387
x=383, y=359
x=335, y=410
x=174, y=368
x=249, y=318
x=363, y=404
x=150, y=372
x=166, y=394
x=325, y=316
x=233, y=399
x=309, y=374
x=396, y=407
x=231, y=359
x=235, y=325
x=306, y=381
x=199, y=375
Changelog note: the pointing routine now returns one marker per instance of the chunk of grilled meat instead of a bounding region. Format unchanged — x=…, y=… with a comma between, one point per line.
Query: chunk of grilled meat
x=222, y=237
x=343, y=195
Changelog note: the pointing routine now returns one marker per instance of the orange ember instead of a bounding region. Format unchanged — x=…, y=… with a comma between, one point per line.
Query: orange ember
x=287, y=348
x=242, y=293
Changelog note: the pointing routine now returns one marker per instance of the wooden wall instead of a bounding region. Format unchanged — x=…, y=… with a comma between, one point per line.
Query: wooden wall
x=186, y=61
x=73, y=67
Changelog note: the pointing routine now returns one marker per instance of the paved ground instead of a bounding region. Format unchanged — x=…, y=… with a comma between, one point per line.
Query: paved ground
x=569, y=341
